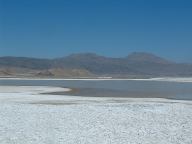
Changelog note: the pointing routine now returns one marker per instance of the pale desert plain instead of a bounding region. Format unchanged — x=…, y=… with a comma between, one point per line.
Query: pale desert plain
x=29, y=117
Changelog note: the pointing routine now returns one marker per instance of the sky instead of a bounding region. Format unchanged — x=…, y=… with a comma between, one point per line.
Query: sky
x=114, y=28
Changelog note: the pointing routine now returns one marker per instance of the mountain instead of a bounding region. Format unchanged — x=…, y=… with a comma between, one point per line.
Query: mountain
x=92, y=65
x=146, y=57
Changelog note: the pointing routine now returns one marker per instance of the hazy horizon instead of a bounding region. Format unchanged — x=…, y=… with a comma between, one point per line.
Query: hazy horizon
x=107, y=56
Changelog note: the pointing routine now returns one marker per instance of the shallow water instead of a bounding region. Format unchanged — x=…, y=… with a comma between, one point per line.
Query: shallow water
x=115, y=88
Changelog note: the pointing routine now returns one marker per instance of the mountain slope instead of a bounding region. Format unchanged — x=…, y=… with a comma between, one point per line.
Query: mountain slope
x=95, y=64
x=147, y=57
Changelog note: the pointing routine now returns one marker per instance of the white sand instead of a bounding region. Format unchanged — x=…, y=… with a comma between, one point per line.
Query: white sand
x=27, y=117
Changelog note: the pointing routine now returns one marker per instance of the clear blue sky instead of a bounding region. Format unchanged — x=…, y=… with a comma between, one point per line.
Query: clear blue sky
x=55, y=28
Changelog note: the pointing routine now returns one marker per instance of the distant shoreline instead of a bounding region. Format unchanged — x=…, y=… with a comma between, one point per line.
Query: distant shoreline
x=166, y=79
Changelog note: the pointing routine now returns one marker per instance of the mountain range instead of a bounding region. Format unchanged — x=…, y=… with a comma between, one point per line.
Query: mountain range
x=135, y=65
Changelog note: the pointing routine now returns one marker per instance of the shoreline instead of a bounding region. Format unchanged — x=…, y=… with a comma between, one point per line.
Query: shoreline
x=34, y=90
x=108, y=93
x=45, y=94
x=161, y=79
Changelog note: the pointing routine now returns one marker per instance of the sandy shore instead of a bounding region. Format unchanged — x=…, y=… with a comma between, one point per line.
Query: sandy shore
x=27, y=117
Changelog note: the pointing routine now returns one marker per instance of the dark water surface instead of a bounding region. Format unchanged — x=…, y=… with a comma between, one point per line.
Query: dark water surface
x=114, y=88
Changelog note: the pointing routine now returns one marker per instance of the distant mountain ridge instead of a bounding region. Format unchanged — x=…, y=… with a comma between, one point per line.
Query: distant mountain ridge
x=138, y=64
x=147, y=57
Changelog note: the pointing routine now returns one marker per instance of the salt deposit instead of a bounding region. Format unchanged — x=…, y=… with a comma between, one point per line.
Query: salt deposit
x=27, y=117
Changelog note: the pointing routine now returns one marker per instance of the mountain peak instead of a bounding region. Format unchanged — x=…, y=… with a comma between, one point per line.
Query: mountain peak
x=147, y=57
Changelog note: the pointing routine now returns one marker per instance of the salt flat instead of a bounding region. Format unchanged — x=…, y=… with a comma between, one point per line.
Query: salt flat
x=27, y=117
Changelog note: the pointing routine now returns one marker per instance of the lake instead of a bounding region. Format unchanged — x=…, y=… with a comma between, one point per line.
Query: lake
x=114, y=88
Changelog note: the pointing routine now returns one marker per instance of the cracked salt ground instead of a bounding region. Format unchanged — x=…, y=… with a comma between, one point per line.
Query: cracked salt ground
x=136, y=122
